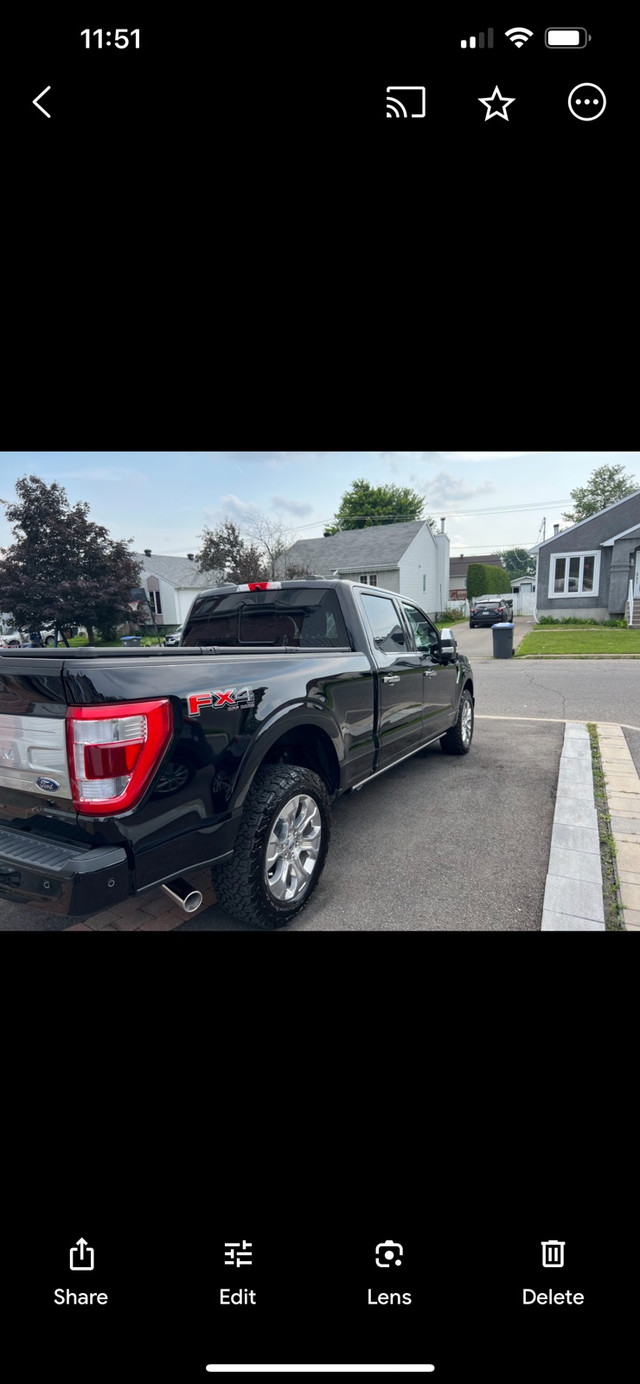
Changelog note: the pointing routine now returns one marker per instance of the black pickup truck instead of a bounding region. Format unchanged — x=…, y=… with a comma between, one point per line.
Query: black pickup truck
x=124, y=769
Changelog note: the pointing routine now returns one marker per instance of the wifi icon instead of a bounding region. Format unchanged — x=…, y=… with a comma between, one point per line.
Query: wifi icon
x=519, y=36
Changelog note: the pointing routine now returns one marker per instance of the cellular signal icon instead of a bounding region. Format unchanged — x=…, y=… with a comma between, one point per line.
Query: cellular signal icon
x=414, y=105
x=519, y=36
x=471, y=43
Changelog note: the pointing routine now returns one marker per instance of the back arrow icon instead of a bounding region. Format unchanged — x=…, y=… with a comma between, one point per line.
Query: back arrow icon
x=41, y=108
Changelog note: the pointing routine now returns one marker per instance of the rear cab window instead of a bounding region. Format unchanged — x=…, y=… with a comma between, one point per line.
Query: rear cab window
x=301, y=618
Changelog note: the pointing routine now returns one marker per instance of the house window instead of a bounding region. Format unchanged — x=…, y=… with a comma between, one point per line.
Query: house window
x=574, y=574
x=373, y=580
x=364, y=580
x=154, y=602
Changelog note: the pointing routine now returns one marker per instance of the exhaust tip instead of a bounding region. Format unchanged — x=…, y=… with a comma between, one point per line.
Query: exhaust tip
x=189, y=899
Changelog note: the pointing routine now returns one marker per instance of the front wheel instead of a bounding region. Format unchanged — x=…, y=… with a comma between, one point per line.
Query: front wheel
x=280, y=848
x=458, y=739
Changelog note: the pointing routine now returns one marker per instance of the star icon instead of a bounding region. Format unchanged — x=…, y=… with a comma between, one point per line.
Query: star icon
x=500, y=102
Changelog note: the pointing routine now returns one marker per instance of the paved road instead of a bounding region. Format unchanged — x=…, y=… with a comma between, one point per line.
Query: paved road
x=576, y=689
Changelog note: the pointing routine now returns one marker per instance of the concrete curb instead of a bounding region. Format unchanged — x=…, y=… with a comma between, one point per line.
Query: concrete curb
x=623, y=799
x=573, y=891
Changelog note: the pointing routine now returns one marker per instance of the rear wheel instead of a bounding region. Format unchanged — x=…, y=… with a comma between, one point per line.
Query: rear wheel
x=458, y=739
x=49, y=640
x=280, y=848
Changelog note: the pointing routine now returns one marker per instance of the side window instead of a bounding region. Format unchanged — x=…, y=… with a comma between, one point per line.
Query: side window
x=426, y=636
x=382, y=619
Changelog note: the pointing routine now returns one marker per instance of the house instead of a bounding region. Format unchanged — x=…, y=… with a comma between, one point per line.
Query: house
x=458, y=577
x=408, y=558
x=585, y=570
x=171, y=584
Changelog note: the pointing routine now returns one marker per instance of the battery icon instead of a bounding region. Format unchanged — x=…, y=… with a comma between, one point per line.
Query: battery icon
x=566, y=38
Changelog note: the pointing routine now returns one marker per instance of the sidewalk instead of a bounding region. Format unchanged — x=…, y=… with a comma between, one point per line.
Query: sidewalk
x=573, y=892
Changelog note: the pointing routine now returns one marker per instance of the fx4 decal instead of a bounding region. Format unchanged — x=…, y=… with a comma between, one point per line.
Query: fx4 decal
x=233, y=697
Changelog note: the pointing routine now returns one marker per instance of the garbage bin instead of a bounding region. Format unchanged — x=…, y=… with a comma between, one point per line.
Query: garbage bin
x=503, y=639
x=129, y=639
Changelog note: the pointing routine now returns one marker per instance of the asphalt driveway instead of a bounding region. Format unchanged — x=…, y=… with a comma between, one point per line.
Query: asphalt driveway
x=440, y=843
x=478, y=643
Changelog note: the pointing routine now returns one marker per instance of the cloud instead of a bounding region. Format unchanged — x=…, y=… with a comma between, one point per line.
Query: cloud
x=231, y=507
x=446, y=489
x=293, y=506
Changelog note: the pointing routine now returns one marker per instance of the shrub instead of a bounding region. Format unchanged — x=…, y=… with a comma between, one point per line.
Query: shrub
x=451, y=616
x=483, y=580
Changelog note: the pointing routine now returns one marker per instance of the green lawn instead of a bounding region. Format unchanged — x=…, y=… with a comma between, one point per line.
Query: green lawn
x=549, y=639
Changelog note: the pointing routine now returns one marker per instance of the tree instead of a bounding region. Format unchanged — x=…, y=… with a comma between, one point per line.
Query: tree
x=605, y=485
x=273, y=537
x=297, y=573
x=225, y=554
x=364, y=504
x=63, y=568
x=256, y=557
x=518, y=562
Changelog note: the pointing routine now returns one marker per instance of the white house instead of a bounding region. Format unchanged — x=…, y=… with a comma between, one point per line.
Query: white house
x=408, y=558
x=171, y=584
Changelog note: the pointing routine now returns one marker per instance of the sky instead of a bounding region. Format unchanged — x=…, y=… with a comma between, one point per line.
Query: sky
x=162, y=500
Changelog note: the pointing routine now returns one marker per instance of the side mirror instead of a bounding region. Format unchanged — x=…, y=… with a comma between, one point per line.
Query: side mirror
x=448, y=645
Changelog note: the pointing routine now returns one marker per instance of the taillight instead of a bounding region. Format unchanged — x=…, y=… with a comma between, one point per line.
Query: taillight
x=113, y=752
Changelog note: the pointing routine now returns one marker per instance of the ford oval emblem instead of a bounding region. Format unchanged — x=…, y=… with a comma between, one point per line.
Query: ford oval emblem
x=47, y=784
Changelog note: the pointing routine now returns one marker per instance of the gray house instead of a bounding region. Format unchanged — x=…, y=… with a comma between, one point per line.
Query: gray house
x=408, y=558
x=585, y=570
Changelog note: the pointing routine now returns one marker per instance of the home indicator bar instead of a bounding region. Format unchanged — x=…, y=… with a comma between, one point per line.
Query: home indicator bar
x=320, y=1369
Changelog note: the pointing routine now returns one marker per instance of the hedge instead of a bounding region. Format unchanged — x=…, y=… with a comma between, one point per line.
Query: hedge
x=482, y=580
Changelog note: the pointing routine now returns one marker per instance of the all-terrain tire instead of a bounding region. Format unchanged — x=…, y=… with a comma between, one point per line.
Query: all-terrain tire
x=240, y=882
x=458, y=739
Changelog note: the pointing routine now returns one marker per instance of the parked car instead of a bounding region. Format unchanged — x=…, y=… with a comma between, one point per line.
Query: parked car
x=282, y=697
x=175, y=637
x=488, y=612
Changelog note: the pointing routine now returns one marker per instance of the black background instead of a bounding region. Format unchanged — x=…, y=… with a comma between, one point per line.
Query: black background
x=316, y=1119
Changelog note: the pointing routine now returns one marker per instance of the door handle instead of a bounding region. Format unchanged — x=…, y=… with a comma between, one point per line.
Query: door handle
x=430, y=672
x=390, y=677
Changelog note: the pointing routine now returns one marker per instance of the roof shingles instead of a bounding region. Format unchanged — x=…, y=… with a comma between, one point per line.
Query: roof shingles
x=381, y=545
